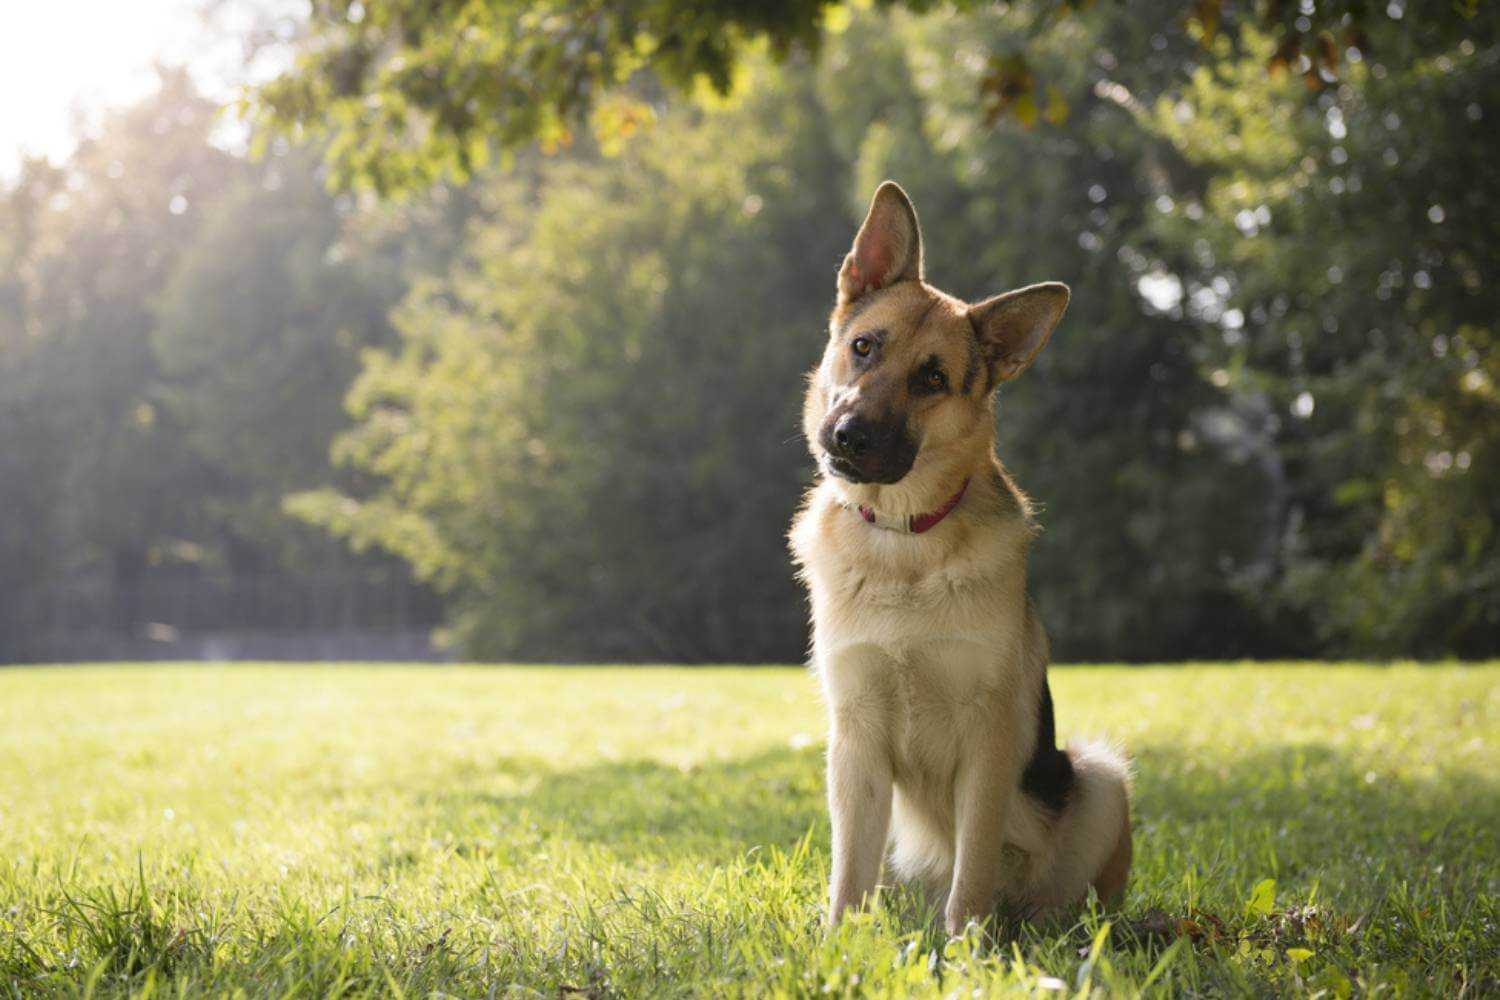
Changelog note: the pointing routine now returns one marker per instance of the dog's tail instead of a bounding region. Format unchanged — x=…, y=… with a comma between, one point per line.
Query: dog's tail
x=1103, y=773
x=1093, y=833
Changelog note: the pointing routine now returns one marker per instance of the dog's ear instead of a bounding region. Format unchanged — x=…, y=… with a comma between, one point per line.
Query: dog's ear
x=1014, y=327
x=888, y=247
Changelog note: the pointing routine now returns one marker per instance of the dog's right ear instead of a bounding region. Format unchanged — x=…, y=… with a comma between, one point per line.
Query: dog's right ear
x=887, y=249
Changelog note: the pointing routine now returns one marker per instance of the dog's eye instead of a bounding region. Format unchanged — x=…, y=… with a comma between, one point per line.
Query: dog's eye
x=935, y=380
x=861, y=346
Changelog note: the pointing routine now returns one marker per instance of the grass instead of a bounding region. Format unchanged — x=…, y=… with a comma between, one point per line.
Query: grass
x=518, y=832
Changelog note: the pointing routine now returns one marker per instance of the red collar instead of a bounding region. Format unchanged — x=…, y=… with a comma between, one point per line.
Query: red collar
x=913, y=524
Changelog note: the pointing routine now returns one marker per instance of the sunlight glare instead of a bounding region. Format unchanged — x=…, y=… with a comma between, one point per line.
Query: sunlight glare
x=62, y=63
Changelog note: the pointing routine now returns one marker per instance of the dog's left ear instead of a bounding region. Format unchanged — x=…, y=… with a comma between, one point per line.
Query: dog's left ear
x=1014, y=327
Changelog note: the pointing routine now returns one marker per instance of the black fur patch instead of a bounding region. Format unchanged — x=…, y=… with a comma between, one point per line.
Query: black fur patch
x=1048, y=777
x=978, y=360
x=917, y=382
x=972, y=368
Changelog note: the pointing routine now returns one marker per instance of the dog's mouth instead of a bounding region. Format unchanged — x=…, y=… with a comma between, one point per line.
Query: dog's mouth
x=844, y=469
x=854, y=472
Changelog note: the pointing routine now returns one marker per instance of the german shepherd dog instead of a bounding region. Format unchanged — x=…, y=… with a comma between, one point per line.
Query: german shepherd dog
x=932, y=660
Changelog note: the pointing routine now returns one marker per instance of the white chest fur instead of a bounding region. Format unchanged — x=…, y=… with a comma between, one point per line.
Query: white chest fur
x=964, y=581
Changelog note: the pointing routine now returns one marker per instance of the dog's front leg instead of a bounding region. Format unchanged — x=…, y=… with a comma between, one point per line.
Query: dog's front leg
x=859, y=802
x=982, y=796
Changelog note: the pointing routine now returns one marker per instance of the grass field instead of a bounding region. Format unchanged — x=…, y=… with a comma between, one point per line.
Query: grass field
x=570, y=831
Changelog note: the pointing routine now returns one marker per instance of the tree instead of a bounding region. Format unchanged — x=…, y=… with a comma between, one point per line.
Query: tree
x=257, y=331
x=1338, y=257
x=177, y=328
x=579, y=437
x=91, y=461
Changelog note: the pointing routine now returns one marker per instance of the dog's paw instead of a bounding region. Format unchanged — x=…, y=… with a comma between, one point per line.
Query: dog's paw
x=958, y=919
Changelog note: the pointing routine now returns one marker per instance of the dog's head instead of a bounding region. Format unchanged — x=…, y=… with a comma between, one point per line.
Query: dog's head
x=910, y=370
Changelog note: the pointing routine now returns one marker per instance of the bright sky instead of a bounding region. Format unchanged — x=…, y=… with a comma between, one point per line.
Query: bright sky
x=60, y=59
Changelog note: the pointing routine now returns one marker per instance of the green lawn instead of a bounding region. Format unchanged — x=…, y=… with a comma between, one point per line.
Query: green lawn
x=525, y=832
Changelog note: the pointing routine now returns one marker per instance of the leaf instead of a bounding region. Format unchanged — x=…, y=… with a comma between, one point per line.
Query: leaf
x=1299, y=955
x=1025, y=110
x=1155, y=923
x=1207, y=14
x=1057, y=107
x=1328, y=51
x=1335, y=982
x=1262, y=899
x=836, y=19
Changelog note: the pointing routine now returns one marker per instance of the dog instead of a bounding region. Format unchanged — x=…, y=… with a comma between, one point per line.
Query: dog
x=932, y=660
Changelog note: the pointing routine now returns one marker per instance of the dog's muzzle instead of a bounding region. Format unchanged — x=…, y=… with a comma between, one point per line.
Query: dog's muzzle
x=862, y=450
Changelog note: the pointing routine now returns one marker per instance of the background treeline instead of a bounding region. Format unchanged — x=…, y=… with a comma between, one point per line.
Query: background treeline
x=177, y=329
x=564, y=393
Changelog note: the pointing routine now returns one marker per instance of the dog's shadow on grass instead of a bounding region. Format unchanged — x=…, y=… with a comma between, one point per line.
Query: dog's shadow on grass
x=1303, y=813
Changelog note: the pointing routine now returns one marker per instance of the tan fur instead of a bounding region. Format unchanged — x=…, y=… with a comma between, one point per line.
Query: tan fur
x=929, y=653
x=1110, y=884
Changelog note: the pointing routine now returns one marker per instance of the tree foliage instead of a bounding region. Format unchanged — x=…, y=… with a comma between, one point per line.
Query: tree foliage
x=588, y=431
x=1340, y=262
x=409, y=91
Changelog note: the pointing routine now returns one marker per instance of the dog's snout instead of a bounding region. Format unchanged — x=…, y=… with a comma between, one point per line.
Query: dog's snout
x=851, y=435
x=865, y=449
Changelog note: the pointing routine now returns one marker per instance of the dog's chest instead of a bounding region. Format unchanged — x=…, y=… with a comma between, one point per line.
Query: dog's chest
x=932, y=707
x=904, y=612
x=903, y=595
x=924, y=702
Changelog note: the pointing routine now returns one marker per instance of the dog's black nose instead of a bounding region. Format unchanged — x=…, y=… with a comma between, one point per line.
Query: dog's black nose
x=851, y=436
